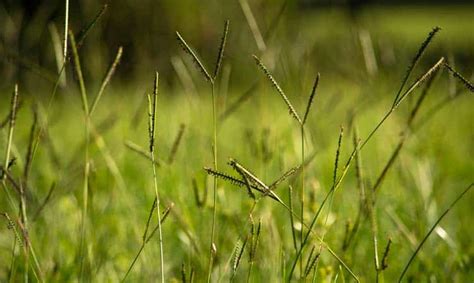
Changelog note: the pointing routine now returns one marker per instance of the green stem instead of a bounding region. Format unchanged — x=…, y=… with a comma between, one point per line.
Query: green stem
x=302, y=195
x=214, y=209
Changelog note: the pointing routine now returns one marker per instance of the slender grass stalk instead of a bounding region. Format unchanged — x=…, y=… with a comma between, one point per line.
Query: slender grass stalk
x=147, y=237
x=257, y=35
x=334, y=180
x=292, y=221
x=85, y=31
x=412, y=257
x=85, y=189
x=11, y=129
x=58, y=53
x=211, y=80
x=151, y=137
x=106, y=79
x=66, y=29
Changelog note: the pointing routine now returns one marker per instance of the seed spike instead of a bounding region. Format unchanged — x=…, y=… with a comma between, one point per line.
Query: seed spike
x=311, y=97
x=195, y=58
x=220, y=54
x=278, y=89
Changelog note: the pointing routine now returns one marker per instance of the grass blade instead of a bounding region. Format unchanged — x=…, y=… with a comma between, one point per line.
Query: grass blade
x=257, y=35
x=77, y=67
x=405, y=269
x=107, y=78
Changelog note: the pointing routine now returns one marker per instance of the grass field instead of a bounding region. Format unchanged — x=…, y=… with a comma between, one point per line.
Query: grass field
x=79, y=184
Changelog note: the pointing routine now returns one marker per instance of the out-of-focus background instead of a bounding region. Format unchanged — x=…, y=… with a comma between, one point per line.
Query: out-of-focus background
x=325, y=35
x=80, y=186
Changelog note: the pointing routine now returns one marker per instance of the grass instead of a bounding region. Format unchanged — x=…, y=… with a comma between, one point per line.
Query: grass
x=92, y=220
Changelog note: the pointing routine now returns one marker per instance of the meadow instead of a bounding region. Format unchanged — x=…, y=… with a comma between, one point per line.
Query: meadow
x=355, y=169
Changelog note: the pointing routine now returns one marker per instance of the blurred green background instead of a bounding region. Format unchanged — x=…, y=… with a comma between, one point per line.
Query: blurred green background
x=362, y=50
x=323, y=36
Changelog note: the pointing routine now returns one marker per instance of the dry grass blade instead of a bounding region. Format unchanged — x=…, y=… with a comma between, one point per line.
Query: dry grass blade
x=405, y=269
x=415, y=61
x=278, y=89
x=311, y=97
x=59, y=55
x=236, y=182
x=257, y=35
x=107, y=78
x=220, y=54
x=292, y=219
x=457, y=75
x=77, y=68
x=195, y=58
x=245, y=172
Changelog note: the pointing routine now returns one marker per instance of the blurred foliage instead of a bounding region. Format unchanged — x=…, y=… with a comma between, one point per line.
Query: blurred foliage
x=322, y=38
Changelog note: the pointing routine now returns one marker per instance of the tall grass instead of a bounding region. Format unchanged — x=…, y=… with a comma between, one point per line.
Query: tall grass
x=300, y=257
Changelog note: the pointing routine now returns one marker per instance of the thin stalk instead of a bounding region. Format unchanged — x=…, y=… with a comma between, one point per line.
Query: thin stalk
x=334, y=180
x=292, y=221
x=302, y=193
x=152, y=131
x=11, y=128
x=214, y=208
x=146, y=238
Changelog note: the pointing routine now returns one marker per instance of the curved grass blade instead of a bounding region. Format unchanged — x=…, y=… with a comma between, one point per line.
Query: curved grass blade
x=107, y=78
x=405, y=269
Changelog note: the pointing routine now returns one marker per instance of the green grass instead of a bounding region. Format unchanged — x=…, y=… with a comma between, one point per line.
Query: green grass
x=112, y=190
